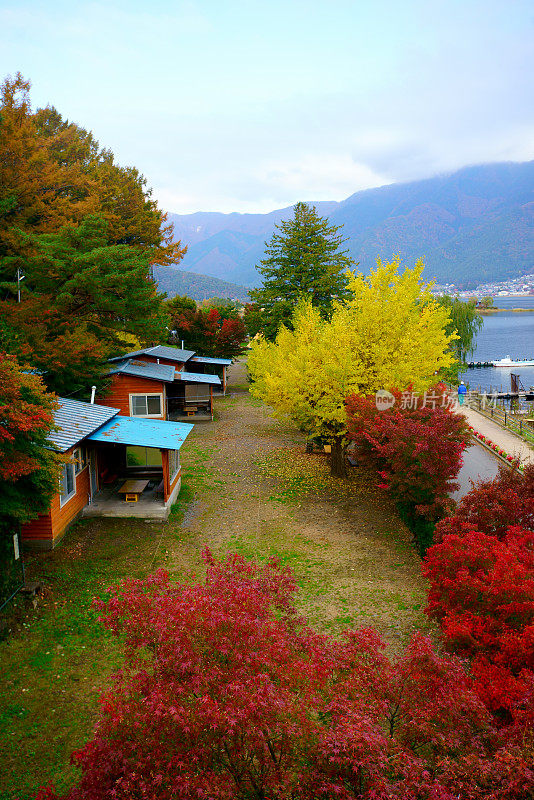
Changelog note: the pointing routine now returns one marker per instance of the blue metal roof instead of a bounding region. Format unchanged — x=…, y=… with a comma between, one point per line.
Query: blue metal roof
x=143, y=433
x=197, y=377
x=76, y=420
x=224, y=362
x=144, y=369
x=159, y=351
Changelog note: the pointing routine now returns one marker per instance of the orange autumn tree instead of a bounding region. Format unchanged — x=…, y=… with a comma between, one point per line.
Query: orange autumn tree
x=123, y=198
x=52, y=172
x=80, y=232
x=29, y=470
x=37, y=194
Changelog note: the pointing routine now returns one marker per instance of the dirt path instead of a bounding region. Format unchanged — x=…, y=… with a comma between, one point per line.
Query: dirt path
x=351, y=553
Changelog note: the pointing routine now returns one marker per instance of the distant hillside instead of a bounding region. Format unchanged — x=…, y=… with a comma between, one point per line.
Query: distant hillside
x=472, y=226
x=200, y=287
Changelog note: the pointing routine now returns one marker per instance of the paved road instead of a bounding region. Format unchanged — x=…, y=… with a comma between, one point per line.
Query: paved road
x=506, y=440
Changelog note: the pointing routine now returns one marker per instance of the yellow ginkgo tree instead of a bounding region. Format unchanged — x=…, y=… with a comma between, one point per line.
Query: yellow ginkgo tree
x=391, y=333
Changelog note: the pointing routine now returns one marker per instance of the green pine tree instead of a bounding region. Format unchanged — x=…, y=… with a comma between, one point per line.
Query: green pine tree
x=304, y=259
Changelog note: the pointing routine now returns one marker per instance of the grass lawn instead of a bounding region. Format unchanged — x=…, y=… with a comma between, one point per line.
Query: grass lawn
x=249, y=488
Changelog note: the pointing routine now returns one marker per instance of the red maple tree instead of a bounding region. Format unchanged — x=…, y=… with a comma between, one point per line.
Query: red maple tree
x=417, y=451
x=493, y=506
x=28, y=468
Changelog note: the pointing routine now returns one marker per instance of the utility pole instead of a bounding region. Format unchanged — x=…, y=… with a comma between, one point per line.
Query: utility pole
x=20, y=277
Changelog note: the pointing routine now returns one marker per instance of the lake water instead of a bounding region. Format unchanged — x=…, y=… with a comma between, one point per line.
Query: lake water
x=506, y=333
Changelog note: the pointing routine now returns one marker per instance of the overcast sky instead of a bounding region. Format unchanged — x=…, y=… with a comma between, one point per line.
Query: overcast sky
x=240, y=105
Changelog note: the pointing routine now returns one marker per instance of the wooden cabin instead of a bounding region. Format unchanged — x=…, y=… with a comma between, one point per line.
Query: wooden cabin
x=159, y=354
x=103, y=451
x=186, y=360
x=150, y=390
x=138, y=388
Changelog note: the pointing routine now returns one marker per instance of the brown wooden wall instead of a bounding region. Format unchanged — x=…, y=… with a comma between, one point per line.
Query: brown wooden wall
x=122, y=386
x=48, y=528
x=175, y=481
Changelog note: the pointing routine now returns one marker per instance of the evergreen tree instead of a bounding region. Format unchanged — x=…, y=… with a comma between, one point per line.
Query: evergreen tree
x=80, y=296
x=303, y=260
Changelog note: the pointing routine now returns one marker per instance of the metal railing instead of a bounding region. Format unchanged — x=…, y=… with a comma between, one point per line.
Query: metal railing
x=511, y=419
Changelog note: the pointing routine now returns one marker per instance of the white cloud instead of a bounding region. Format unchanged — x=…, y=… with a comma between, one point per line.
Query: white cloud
x=321, y=176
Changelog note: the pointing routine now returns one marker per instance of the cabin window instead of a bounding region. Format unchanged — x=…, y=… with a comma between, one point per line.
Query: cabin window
x=68, y=483
x=79, y=459
x=143, y=456
x=174, y=464
x=146, y=405
x=196, y=392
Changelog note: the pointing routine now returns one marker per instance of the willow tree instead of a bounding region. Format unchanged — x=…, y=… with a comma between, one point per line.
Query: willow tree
x=391, y=333
x=465, y=321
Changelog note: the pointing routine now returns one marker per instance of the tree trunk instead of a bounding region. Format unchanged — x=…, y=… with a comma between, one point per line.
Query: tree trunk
x=338, y=466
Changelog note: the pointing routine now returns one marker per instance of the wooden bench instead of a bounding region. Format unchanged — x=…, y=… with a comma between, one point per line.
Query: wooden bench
x=191, y=410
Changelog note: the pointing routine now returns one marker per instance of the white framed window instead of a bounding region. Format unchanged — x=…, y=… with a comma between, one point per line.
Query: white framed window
x=174, y=464
x=79, y=458
x=146, y=405
x=67, y=484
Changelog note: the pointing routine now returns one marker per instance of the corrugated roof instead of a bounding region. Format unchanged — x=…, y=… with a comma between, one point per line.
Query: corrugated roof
x=197, y=377
x=159, y=351
x=145, y=369
x=76, y=420
x=143, y=433
x=207, y=360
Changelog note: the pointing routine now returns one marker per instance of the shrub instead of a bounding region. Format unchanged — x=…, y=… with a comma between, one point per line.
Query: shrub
x=227, y=694
x=417, y=452
x=481, y=588
x=491, y=507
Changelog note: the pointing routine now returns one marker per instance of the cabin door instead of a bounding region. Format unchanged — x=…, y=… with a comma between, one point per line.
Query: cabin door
x=92, y=474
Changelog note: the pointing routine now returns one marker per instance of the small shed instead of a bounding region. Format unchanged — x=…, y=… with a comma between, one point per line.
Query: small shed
x=191, y=393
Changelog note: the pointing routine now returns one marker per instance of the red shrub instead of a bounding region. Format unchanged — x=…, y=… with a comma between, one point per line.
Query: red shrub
x=417, y=450
x=482, y=593
x=493, y=506
x=226, y=694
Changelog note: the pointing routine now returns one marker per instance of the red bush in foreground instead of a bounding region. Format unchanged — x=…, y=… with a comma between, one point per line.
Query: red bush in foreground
x=226, y=694
x=481, y=589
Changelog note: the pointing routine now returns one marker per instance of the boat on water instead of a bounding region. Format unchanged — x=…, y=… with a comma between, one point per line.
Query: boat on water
x=509, y=362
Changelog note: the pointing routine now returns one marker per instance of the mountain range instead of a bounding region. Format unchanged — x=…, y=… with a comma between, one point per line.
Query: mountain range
x=471, y=226
x=175, y=281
